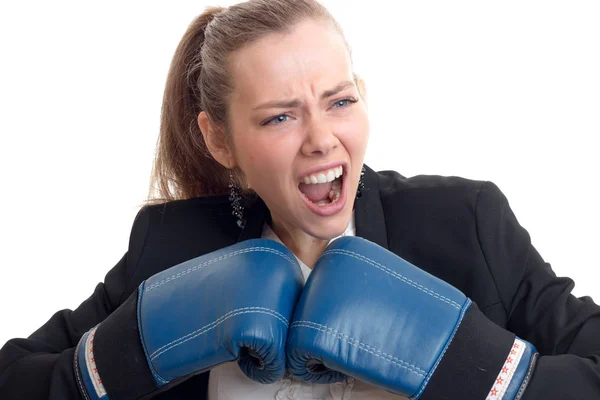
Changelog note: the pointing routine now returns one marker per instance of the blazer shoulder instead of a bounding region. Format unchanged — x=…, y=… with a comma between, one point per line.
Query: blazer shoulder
x=429, y=194
x=198, y=207
x=392, y=183
x=191, y=217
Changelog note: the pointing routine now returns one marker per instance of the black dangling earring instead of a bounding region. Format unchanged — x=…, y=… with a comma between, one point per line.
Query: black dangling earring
x=361, y=184
x=235, y=198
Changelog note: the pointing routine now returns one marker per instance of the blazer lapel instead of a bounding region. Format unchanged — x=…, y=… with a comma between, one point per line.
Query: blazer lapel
x=368, y=211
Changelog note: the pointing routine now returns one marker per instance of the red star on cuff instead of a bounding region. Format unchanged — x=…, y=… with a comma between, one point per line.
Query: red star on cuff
x=516, y=345
x=513, y=352
x=499, y=381
x=494, y=392
x=505, y=370
x=509, y=360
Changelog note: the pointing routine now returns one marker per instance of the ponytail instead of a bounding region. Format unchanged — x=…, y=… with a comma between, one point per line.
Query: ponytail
x=183, y=168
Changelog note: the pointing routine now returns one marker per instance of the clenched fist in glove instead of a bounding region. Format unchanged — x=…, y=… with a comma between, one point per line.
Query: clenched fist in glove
x=233, y=304
x=367, y=313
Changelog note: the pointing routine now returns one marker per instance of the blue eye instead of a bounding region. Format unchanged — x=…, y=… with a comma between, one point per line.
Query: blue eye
x=343, y=103
x=277, y=120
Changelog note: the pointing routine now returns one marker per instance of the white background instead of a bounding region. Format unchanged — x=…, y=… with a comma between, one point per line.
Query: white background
x=503, y=91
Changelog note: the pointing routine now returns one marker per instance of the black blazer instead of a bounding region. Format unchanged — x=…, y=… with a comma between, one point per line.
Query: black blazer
x=459, y=230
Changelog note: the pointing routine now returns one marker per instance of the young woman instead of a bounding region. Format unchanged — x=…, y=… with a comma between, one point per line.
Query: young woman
x=264, y=131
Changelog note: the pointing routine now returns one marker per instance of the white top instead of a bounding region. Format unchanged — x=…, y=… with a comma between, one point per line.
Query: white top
x=228, y=382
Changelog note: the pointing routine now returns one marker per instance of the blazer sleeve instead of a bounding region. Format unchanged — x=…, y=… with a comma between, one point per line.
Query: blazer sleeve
x=41, y=366
x=539, y=306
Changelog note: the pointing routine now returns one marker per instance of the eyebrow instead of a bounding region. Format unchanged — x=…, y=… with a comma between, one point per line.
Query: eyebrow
x=296, y=102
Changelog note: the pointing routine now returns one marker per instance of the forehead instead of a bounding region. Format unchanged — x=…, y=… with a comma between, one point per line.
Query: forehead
x=313, y=55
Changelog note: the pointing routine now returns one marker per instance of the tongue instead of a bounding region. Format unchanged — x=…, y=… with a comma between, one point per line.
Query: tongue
x=316, y=192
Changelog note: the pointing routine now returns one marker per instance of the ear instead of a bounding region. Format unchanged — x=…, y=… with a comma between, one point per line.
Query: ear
x=362, y=88
x=215, y=143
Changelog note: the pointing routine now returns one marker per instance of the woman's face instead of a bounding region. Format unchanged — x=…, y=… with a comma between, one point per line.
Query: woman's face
x=298, y=121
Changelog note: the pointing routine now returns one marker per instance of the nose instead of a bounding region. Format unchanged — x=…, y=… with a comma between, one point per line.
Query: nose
x=319, y=139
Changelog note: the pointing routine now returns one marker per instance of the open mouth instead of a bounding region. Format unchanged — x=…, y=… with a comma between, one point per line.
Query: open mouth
x=323, y=188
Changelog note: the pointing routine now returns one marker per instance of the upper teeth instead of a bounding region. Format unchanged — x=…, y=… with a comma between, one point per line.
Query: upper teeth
x=324, y=176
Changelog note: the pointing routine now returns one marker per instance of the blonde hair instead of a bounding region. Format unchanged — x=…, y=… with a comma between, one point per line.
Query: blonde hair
x=198, y=80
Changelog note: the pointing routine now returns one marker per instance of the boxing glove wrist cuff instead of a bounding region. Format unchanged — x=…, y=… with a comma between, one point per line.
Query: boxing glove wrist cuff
x=483, y=361
x=120, y=370
x=87, y=375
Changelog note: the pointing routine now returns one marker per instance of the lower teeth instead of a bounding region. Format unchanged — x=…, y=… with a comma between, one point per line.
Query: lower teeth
x=334, y=196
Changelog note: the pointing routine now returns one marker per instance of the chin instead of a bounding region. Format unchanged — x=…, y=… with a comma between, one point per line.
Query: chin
x=332, y=227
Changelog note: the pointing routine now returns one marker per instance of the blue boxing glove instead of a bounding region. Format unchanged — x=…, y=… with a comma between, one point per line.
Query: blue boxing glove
x=369, y=314
x=232, y=304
